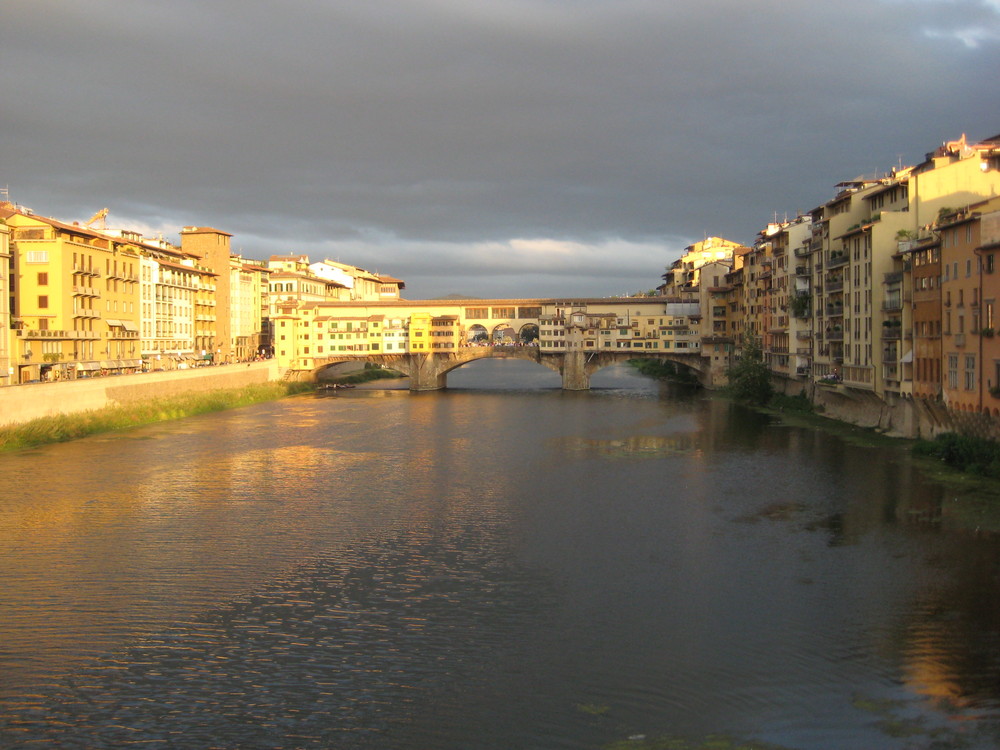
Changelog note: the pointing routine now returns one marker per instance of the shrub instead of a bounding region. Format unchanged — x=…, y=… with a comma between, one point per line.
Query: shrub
x=749, y=378
x=962, y=452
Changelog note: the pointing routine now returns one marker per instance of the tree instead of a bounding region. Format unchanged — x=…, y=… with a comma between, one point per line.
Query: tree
x=749, y=378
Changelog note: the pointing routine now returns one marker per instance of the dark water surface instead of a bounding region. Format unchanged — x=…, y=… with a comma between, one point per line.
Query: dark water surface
x=502, y=565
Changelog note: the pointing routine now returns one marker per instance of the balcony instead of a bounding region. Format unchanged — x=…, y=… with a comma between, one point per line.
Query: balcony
x=803, y=252
x=892, y=305
x=803, y=335
x=834, y=286
x=25, y=333
x=959, y=339
x=893, y=277
x=801, y=270
x=838, y=261
x=835, y=335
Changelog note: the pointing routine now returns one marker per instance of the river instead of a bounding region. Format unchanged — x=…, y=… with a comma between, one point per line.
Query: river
x=501, y=565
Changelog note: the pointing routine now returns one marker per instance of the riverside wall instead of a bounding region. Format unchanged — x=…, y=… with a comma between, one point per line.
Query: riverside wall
x=893, y=415
x=22, y=403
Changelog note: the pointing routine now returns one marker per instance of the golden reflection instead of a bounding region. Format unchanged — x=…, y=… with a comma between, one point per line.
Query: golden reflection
x=927, y=670
x=638, y=446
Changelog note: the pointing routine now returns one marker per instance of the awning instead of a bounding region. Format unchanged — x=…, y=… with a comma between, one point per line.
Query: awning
x=907, y=358
x=113, y=322
x=128, y=325
x=87, y=366
x=107, y=364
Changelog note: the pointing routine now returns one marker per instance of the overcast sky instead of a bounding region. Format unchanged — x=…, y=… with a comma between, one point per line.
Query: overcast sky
x=496, y=148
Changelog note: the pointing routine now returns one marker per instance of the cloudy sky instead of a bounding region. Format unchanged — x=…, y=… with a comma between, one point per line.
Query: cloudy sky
x=489, y=147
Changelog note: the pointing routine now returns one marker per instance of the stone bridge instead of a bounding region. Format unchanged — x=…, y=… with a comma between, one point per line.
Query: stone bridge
x=428, y=371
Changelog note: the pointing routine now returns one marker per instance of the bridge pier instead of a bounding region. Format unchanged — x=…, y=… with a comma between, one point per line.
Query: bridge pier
x=425, y=373
x=574, y=372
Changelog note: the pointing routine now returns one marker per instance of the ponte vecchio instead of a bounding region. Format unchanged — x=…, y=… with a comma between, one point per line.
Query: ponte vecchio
x=426, y=339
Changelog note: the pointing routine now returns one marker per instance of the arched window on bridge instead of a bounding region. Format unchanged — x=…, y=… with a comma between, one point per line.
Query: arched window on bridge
x=477, y=334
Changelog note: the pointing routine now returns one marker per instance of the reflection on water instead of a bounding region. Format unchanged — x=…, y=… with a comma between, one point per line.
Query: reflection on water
x=499, y=565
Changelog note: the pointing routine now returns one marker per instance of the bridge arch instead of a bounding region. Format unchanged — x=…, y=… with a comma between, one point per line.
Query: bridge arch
x=528, y=333
x=478, y=333
x=504, y=333
x=429, y=370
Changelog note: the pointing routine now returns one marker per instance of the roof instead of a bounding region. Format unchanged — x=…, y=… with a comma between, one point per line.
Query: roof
x=178, y=266
x=204, y=230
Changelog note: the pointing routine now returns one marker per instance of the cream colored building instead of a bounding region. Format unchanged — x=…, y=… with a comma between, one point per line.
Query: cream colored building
x=361, y=285
x=248, y=289
x=683, y=277
x=650, y=324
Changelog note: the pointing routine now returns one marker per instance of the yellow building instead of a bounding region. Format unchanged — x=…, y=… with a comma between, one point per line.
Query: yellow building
x=6, y=368
x=308, y=333
x=76, y=299
x=211, y=250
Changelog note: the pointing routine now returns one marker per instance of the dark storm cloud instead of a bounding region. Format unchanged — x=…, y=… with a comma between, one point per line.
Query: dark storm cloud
x=400, y=134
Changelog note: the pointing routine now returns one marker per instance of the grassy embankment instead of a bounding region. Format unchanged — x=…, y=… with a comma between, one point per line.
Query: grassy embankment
x=65, y=427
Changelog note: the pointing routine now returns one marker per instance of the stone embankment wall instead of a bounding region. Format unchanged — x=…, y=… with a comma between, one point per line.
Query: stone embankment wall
x=22, y=403
x=895, y=416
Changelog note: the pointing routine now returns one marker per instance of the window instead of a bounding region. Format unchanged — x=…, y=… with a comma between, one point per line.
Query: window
x=43, y=278
x=43, y=301
x=970, y=372
x=953, y=371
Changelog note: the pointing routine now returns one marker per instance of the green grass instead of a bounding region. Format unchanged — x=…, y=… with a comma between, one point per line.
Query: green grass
x=63, y=427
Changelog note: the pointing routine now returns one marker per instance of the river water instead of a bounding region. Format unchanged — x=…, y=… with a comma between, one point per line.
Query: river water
x=501, y=565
